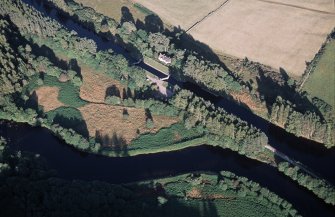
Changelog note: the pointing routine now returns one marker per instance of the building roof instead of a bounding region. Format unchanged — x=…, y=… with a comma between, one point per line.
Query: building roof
x=165, y=59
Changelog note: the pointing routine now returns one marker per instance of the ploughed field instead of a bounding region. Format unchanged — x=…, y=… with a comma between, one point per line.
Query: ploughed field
x=277, y=33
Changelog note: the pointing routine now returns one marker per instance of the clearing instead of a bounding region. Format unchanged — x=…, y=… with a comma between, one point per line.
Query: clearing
x=95, y=85
x=122, y=124
x=321, y=81
x=277, y=33
x=48, y=98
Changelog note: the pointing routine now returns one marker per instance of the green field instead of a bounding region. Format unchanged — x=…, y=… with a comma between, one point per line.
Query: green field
x=321, y=82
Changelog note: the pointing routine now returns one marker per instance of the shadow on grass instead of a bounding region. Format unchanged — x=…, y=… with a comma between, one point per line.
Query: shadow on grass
x=115, y=143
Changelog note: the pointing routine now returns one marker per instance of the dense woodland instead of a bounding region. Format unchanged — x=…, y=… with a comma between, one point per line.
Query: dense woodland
x=319, y=187
x=187, y=65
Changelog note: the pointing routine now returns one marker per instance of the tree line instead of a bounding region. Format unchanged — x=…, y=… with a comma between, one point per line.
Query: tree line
x=308, y=125
x=318, y=186
x=226, y=129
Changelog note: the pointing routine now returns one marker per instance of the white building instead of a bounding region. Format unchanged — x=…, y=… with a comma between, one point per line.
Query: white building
x=164, y=59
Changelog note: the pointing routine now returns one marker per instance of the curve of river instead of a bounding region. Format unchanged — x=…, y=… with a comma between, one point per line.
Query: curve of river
x=73, y=164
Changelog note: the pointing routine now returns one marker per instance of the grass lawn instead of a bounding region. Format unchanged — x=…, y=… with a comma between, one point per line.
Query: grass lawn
x=155, y=64
x=321, y=82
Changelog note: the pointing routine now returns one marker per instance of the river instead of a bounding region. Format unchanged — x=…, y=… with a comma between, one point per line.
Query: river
x=73, y=164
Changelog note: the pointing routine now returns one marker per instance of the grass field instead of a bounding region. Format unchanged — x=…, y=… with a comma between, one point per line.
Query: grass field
x=321, y=82
x=273, y=33
x=48, y=98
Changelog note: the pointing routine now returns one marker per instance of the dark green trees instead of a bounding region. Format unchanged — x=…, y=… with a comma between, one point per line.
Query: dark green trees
x=318, y=186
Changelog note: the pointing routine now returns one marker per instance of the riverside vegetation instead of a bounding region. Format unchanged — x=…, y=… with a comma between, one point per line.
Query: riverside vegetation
x=26, y=34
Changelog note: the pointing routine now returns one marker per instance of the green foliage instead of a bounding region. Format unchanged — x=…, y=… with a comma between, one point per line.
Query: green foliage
x=308, y=125
x=165, y=137
x=68, y=92
x=69, y=118
x=225, y=128
x=13, y=58
x=10, y=111
x=318, y=186
x=321, y=81
x=230, y=195
x=73, y=138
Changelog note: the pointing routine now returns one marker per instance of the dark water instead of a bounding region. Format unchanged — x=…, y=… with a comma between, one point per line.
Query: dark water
x=73, y=164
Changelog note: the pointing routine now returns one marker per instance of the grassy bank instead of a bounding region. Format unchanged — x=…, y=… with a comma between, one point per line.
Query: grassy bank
x=321, y=81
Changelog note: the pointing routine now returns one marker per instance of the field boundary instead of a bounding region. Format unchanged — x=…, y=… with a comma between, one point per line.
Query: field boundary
x=208, y=15
x=296, y=6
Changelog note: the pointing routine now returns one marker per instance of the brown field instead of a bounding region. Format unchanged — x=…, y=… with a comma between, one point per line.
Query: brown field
x=320, y=5
x=112, y=8
x=181, y=13
x=108, y=121
x=48, y=98
x=95, y=85
x=278, y=33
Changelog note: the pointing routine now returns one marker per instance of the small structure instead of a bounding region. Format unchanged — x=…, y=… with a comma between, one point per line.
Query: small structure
x=164, y=59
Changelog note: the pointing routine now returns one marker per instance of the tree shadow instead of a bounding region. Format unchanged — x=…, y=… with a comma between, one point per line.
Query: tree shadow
x=47, y=52
x=269, y=88
x=73, y=65
x=126, y=15
x=78, y=125
x=153, y=23
x=112, y=91
x=116, y=143
x=32, y=103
